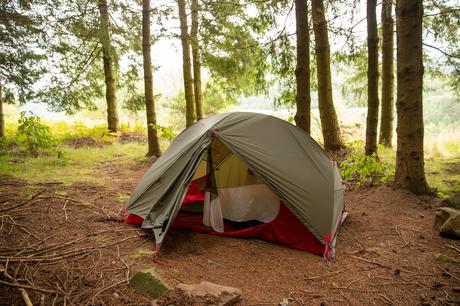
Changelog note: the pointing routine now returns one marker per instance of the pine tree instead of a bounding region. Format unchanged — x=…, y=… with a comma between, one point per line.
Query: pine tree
x=410, y=171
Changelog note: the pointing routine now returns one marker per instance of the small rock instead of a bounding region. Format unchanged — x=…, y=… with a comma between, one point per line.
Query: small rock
x=149, y=281
x=445, y=258
x=226, y=295
x=116, y=295
x=284, y=302
x=450, y=219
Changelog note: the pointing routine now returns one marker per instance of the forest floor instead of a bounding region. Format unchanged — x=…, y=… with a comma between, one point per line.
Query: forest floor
x=62, y=242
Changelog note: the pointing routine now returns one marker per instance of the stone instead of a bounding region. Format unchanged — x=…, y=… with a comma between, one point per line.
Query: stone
x=226, y=295
x=148, y=281
x=449, y=218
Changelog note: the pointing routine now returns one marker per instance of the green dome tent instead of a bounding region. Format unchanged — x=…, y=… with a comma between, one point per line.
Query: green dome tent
x=251, y=164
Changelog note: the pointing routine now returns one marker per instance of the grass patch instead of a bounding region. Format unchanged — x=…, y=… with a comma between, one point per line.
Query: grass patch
x=71, y=165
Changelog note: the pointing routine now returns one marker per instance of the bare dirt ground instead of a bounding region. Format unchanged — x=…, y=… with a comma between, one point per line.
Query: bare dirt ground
x=63, y=245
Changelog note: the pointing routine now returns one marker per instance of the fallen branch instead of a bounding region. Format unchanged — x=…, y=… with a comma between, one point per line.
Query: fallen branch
x=104, y=289
x=25, y=202
x=28, y=287
x=452, y=247
x=389, y=266
x=447, y=272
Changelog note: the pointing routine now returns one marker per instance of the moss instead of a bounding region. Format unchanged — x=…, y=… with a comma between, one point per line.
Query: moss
x=148, y=281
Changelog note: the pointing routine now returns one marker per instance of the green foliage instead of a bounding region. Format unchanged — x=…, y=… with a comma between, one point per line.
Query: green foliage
x=165, y=132
x=75, y=165
x=33, y=135
x=20, y=41
x=364, y=170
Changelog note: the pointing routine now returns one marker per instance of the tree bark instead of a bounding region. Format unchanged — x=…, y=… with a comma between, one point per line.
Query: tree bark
x=2, y=116
x=410, y=172
x=196, y=62
x=186, y=65
x=302, y=72
x=329, y=123
x=386, y=119
x=110, y=95
x=153, y=142
x=372, y=79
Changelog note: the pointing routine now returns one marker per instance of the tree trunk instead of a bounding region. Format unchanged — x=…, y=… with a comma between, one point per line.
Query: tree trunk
x=302, y=72
x=410, y=173
x=110, y=95
x=186, y=65
x=2, y=117
x=196, y=62
x=329, y=123
x=386, y=119
x=372, y=79
x=154, y=144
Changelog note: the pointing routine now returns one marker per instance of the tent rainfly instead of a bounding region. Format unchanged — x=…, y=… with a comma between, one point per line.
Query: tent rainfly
x=245, y=175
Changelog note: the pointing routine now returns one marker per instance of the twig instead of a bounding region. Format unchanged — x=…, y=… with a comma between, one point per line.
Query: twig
x=28, y=287
x=35, y=244
x=25, y=297
x=389, y=266
x=104, y=289
x=447, y=272
x=385, y=298
x=65, y=210
x=400, y=236
x=327, y=274
x=452, y=247
x=373, y=262
x=25, y=202
x=346, y=299
x=23, y=292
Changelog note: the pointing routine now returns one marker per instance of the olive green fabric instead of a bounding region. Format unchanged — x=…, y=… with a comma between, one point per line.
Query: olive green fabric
x=280, y=155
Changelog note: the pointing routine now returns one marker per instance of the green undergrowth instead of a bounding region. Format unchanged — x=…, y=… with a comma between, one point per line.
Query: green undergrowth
x=442, y=169
x=361, y=170
x=71, y=165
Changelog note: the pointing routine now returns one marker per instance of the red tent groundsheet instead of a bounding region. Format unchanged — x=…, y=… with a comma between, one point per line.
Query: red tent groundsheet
x=286, y=229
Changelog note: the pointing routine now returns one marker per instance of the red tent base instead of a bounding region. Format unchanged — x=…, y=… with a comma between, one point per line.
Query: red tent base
x=285, y=229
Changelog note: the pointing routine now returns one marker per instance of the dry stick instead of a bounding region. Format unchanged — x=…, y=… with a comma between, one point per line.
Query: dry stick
x=28, y=287
x=385, y=298
x=61, y=245
x=327, y=274
x=23, y=228
x=63, y=255
x=389, y=266
x=452, y=247
x=445, y=271
x=35, y=244
x=346, y=299
x=104, y=289
x=25, y=202
x=65, y=210
x=127, y=269
x=399, y=234
x=23, y=292
x=87, y=205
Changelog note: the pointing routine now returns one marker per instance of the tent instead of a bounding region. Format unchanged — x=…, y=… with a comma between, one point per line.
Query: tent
x=246, y=175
